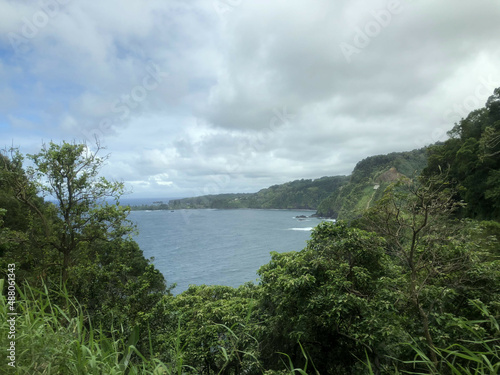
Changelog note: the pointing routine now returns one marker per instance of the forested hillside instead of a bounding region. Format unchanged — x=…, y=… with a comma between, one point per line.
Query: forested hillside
x=368, y=181
x=470, y=161
x=299, y=194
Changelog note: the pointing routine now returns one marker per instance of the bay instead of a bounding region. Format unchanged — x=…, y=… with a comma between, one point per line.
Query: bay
x=218, y=247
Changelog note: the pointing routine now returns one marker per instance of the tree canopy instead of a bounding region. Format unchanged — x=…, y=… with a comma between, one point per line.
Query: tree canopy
x=471, y=158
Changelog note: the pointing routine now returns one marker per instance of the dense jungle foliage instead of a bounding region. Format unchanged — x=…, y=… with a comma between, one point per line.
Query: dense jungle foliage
x=409, y=285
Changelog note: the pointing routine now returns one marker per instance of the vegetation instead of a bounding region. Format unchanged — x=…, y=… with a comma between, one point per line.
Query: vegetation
x=52, y=339
x=80, y=241
x=369, y=179
x=410, y=285
x=471, y=158
x=299, y=194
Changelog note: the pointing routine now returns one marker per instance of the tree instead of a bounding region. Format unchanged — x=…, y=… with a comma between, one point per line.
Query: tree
x=211, y=329
x=432, y=248
x=79, y=237
x=472, y=155
x=26, y=220
x=333, y=299
x=69, y=173
x=119, y=288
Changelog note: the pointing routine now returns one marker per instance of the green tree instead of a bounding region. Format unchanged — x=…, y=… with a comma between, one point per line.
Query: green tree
x=80, y=238
x=26, y=221
x=472, y=156
x=441, y=265
x=335, y=298
x=212, y=330
x=69, y=173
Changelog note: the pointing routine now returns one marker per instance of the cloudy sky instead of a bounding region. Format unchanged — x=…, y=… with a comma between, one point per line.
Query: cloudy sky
x=196, y=97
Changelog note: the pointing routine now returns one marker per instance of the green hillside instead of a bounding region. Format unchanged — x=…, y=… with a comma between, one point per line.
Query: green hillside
x=368, y=181
x=299, y=194
x=470, y=161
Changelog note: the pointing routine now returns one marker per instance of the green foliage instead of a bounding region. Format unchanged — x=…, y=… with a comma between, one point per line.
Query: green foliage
x=216, y=329
x=339, y=196
x=80, y=241
x=443, y=262
x=408, y=163
x=368, y=180
x=334, y=296
x=299, y=194
x=472, y=156
x=477, y=352
x=22, y=227
x=405, y=288
x=117, y=285
x=353, y=293
x=51, y=339
x=70, y=174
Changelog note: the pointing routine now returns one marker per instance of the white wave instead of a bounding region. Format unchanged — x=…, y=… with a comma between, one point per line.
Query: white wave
x=307, y=229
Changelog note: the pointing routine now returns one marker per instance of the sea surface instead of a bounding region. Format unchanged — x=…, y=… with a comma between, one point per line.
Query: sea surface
x=218, y=247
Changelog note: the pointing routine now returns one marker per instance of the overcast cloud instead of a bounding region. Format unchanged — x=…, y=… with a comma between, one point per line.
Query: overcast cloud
x=196, y=97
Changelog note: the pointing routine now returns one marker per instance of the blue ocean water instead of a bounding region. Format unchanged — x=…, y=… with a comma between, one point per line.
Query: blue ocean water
x=218, y=247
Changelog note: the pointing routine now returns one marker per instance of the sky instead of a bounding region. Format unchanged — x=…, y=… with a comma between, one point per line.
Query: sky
x=206, y=97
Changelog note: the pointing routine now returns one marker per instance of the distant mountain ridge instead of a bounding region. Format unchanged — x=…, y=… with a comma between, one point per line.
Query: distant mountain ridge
x=336, y=197
x=298, y=194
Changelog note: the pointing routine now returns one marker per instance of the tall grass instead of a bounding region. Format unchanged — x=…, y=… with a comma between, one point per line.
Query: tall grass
x=477, y=356
x=51, y=339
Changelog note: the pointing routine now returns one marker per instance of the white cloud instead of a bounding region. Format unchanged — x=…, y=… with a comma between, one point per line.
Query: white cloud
x=214, y=119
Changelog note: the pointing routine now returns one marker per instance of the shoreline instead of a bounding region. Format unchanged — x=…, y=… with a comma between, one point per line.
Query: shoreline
x=139, y=209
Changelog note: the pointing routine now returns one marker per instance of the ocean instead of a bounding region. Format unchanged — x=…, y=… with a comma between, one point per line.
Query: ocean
x=218, y=247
